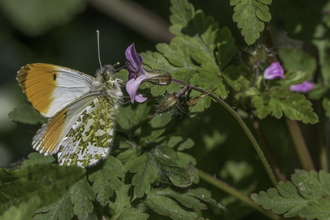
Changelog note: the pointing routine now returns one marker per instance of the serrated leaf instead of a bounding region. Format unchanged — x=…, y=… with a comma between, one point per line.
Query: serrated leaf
x=45, y=14
x=294, y=106
x=294, y=78
x=36, y=158
x=145, y=174
x=186, y=199
x=168, y=207
x=133, y=214
x=250, y=15
x=24, y=211
x=106, y=179
x=76, y=201
x=182, y=13
x=48, y=181
x=310, y=202
x=26, y=114
x=123, y=198
x=296, y=59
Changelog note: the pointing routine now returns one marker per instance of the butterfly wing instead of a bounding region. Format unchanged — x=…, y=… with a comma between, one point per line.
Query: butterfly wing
x=81, y=133
x=50, y=87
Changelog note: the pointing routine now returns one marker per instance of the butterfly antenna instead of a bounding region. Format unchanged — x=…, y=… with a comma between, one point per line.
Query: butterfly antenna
x=119, y=67
x=98, y=46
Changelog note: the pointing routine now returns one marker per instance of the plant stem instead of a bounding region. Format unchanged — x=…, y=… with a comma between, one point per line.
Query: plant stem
x=232, y=191
x=323, y=148
x=300, y=145
x=268, y=150
x=243, y=125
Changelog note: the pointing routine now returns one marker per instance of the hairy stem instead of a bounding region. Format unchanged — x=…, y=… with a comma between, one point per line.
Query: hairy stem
x=300, y=145
x=242, y=124
x=232, y=191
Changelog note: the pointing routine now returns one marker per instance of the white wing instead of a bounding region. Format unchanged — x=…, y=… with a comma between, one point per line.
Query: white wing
x=81, y=133
x=49, y=87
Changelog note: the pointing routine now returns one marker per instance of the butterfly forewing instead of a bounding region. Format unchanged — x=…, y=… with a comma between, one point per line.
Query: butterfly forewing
x=50, y=87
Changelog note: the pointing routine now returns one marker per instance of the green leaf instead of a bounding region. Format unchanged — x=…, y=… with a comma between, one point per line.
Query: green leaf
x=306, y=198
x=76, y=201
x=145, y=174
x=25, y=210
x=188, y=200
x=123, y=198
x=106, y=179
x=182, y=13
x=26, y=114
x=46, y=15
x=166, y=206
x=296, y=59
x=171, y=167
x=232, y=76
x=138, y=115
x=133, y=214
x=226, y=47
x=36, y=158
x=250, y=15
x=129, y=154
x=179, y=142
x=294, y=78
x=48, y=181
x=294, y=106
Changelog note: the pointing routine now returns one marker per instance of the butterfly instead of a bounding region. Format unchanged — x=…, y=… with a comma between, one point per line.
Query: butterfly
x=81, y=111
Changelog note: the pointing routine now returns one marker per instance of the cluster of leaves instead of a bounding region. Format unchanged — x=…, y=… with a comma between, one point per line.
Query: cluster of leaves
x=307, y=196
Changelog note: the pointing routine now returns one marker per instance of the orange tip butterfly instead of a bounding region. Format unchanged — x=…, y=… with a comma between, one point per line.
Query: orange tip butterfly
x=81, y=110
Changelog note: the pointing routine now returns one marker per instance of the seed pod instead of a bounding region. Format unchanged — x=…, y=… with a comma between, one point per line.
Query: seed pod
x=161, y=78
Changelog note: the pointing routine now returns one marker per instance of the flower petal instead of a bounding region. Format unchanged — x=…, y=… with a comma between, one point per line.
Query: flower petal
x=139, y=98
x=130, y=69
x=132, y=86
x=133, y=57
x=275, y=70
x=303, y=87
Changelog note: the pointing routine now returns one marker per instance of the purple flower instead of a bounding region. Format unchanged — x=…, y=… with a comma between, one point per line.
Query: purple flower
x=303, y=87
x=275, y=70
x=136, y=74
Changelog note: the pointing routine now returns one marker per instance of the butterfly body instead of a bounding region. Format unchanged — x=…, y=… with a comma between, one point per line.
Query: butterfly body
x=81, y=111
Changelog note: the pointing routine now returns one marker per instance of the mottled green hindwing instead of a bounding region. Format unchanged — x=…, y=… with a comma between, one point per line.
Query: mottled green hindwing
x=90, y=137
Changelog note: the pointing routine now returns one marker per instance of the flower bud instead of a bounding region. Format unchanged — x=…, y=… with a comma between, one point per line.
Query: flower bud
x=167, y=104
x=160, y=78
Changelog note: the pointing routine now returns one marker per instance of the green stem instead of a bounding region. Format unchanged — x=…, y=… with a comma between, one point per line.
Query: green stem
x=300, y=145
x=232, y=191
x=242, y=124
x=268, y=150
x=323, y=148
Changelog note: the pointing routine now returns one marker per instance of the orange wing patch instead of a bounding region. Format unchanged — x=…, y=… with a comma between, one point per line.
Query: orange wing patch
x=53, y=132
x=38, y=81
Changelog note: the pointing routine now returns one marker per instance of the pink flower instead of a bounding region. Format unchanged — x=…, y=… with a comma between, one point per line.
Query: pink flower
x=275, y=70
x=303, y=87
